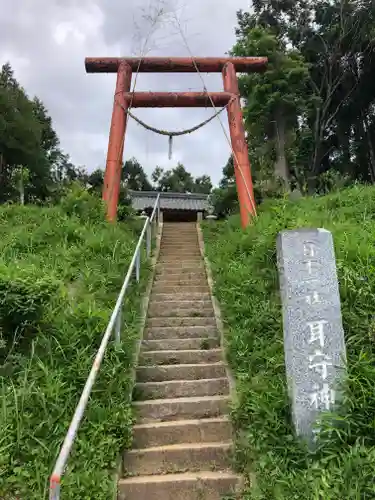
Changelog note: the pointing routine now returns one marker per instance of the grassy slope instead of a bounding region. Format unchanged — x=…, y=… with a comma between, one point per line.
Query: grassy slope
x=64, y=276
x=244, y=267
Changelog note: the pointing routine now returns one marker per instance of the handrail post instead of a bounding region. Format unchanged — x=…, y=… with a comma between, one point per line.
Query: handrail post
x=149, y=240
x=138, y=265
x=54, y=492
x=158, y=213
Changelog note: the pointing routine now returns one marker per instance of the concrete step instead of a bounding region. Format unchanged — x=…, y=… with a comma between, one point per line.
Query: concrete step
x=176, y=235
x=204, y=430
x=181, y=408
x=180, y=344
x=180, y=357
x=182, y=272
x=179, y=229
x=157, y=305
x=176, y=238
x=180, y=372
x=195, y=281
x=193, y=256
x=178, y=457
x=180, y=234
x=205, y=485
x=183, y=240
x=189, y=241
x=181, y=321
x=179, y=332
x=176, y=232
x=181, y=275
x=178, y=257
x=188, y=237
x=179, y=238
x=171, y=289
x=177, y=277
x=167, y=297
x=176, y=263
x=182, y=388
x=189, y=246
x=182, y=244
x=176, y=266
x=180, y=282
x=170, y=253
x=176, y=228
x=180, y=266
x=186, y=245
x=175, y=312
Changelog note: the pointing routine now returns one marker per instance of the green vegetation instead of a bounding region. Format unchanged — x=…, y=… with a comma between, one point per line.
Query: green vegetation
x=61, y=270
x=34, y=169
x=309, y=117
x=244, y=267
x=179, y=180
x=311, y=111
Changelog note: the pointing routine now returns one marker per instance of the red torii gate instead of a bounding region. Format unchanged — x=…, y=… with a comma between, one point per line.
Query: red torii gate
x=124, y=67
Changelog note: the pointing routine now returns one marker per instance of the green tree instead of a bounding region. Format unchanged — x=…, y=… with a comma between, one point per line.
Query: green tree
x=134, y=177
x=26, y=138
x=329, y=44
x=338, y=50
x=179, y=180
x=20, y=133
x=202, y=185
x=156, y=176
x=49, y=140
x=228, y=178
x=224, y=199
x=96, y=181
x=275, y=100
x=21, y=177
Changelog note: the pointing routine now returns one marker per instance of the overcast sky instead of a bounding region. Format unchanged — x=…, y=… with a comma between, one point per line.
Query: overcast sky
x=46, y=42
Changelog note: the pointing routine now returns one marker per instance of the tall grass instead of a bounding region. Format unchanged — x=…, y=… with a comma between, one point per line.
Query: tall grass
x=274, y=462
x=61, y=270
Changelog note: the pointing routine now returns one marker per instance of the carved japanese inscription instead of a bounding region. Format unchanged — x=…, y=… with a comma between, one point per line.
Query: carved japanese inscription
x=313, y=332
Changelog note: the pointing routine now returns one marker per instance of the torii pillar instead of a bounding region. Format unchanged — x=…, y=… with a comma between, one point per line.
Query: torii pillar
x=125, y=99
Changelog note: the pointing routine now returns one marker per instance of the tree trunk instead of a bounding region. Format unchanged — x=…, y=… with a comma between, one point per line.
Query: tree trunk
x=344, y=141
x=22, y=193
x=370, y=148
x=22, y=189
x=281, y=165
x=21, y=184
x=315, y=170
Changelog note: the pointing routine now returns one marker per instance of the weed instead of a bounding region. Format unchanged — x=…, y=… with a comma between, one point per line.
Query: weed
x=205, y=344
x=137, y=394
x=61, y=270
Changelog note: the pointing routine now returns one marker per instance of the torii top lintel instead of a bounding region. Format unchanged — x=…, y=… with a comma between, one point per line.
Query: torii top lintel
x=175, y=64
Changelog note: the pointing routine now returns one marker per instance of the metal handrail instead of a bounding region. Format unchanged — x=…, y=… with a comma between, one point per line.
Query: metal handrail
x=114, y=322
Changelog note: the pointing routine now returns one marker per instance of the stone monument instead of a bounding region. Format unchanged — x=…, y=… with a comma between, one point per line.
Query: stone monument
x=313, y=334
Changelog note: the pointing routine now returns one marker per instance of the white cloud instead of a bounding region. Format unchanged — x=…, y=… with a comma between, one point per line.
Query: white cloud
x=46, y=42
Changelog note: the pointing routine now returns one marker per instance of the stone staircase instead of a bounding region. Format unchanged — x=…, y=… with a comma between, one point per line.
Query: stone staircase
x=182, y=444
